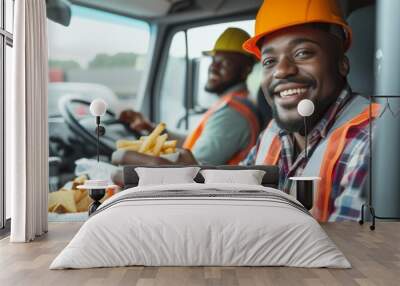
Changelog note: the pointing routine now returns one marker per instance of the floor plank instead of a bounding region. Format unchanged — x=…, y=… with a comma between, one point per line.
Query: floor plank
x=375, y=257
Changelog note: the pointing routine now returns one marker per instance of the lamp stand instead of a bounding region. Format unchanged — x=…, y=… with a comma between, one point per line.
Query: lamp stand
x=97, y=194
x=306, y=136
x=100, y=131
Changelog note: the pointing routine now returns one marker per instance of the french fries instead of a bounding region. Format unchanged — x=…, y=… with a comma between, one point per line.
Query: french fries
x=170, y=144
x=159, y=144
x=169, y=150
x=133, y=145
x=151, y=139
x=154, y=144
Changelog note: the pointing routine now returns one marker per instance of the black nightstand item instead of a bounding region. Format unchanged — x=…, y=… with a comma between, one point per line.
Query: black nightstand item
x=305, y=193
x=96, y=195
x=305, y=190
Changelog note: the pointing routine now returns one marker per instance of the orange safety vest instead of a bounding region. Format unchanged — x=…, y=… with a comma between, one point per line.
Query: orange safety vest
x=335, y=146
x=233, y=100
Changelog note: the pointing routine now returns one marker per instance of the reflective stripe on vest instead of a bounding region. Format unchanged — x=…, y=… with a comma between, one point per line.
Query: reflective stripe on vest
x=237, y=101
x=329, y=150
x=327, y=153
x=270, y=146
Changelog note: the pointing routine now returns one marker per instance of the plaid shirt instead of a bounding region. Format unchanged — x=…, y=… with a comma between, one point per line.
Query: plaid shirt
x=350, y=172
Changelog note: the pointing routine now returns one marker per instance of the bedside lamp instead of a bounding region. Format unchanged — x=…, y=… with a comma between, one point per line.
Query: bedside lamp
x=305, y=108
x=305, y=185
x=97, y=188
x=98, y=108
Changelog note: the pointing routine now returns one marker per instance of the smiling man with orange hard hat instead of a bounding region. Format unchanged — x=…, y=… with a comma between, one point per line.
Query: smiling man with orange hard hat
x=301, y=45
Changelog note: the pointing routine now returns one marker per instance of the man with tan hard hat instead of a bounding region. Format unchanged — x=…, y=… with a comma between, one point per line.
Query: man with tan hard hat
x=301, y=45
x=229, y=129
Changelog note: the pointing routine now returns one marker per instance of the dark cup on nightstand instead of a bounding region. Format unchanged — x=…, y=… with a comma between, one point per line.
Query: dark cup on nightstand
x=305, y=193
x=305, y=190
x=96, y=190
x=96, y=195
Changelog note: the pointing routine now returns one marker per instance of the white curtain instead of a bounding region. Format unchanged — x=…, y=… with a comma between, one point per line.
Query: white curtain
x=26, y=119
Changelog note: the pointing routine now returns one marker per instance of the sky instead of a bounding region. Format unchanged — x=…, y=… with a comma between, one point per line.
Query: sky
x=92, y=32
x=203, y=38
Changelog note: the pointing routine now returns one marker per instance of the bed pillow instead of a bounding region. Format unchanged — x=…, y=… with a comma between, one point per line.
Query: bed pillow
x=163, y=176
x=248, y=177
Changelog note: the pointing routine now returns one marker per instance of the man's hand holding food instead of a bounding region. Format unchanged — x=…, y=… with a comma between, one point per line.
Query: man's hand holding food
x=136, y=121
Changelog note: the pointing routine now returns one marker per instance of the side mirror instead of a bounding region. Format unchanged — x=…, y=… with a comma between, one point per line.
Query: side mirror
x=59, y=11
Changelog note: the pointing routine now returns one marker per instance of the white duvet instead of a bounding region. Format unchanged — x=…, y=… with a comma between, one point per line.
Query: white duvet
x=188, y=231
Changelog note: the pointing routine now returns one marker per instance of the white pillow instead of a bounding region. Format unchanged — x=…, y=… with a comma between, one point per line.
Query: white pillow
x=163, y=176
x=248, y=177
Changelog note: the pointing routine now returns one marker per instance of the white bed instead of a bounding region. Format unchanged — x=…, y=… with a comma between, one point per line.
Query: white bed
x=224, y=225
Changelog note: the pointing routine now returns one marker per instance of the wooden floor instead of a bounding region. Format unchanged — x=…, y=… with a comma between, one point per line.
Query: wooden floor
x=375, y=257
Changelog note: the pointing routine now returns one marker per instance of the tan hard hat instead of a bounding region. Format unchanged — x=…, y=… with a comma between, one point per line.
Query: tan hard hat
x=231, y=40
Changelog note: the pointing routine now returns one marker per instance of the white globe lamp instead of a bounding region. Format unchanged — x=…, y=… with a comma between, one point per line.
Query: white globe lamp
x=305, y=107
x=98, y=108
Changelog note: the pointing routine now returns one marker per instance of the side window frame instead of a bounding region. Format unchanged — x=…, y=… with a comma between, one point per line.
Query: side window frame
x=190, y=84
x=159, y=78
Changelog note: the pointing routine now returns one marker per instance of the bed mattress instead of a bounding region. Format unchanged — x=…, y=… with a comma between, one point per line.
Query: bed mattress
x=201, y=225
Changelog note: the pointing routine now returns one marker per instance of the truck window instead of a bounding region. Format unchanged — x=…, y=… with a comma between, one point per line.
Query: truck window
x=172, y=94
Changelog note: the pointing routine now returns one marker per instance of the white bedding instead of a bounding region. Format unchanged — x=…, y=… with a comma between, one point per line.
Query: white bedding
x=183, y=231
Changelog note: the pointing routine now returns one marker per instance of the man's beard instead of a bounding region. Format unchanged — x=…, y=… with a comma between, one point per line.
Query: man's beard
x=223, y=86
x=289, y=126
x=293, y=125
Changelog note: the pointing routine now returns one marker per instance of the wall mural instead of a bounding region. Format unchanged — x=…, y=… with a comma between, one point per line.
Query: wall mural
x=304, y=116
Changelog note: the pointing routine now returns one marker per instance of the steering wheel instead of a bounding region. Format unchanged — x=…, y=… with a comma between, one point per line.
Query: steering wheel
x=75, y=112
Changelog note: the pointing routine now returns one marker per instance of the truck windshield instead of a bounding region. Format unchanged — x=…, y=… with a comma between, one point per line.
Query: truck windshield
x=99, y=54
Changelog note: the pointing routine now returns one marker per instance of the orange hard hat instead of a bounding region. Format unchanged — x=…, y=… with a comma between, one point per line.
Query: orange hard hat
x=275, y=15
